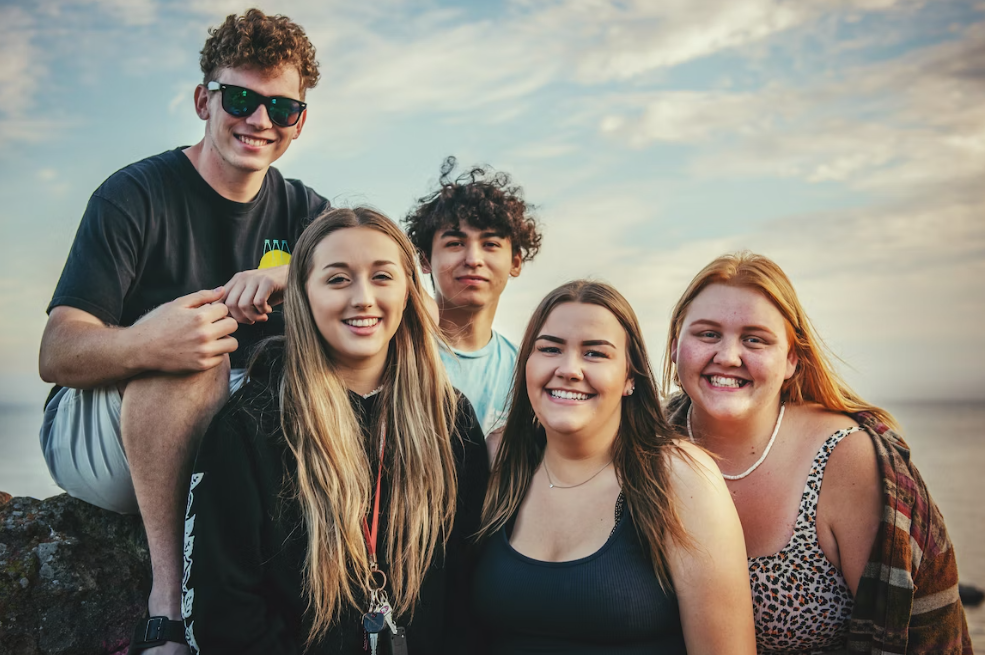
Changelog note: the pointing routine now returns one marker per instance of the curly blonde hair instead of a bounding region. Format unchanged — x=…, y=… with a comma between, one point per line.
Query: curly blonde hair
x=259, y=41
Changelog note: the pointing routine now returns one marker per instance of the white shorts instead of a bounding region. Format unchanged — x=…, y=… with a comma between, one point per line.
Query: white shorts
x=83, y=447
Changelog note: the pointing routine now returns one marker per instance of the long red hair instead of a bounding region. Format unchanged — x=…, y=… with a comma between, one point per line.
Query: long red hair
x=815, y=380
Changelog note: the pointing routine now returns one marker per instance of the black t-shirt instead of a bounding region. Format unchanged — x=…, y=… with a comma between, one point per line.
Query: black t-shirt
x=246, y=542
x=156, y=230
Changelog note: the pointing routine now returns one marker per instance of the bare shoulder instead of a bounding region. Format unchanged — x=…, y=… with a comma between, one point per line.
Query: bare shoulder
x=687, y=460
x=694, y=473
x=817, y=421
x=853, y=463
x=493, y=439
x=715, y=549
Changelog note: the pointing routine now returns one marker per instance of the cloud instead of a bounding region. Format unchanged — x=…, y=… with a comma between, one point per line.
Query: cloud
x=891, y=287
x=879, y=283
x=387, y=59
x=30, y=130
x=908, y=124
x=544, y=150
x=21, y=67
x=441, y=60
x=392, y=62
x=662, y=35
x=32, y=40
x=130, y=12
x=697, y=116
x=622, y=40
x=892, y=290
x=455, y=68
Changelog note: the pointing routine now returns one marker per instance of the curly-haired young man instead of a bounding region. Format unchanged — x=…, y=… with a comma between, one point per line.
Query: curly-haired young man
x=174, y=254
x=473, y=234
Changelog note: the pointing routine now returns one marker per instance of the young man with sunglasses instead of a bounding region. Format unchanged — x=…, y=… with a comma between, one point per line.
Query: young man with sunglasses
x=473, y=234
x=174, y=274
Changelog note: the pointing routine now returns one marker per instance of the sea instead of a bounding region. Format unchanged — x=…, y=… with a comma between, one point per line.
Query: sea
x=947, y=442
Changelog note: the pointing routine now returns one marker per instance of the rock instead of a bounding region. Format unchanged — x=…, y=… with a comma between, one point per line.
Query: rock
x=73, y=578
x=971, y=596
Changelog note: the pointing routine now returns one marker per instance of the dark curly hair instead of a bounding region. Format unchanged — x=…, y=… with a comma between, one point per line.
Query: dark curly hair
x=484, y=199
x=259, y=41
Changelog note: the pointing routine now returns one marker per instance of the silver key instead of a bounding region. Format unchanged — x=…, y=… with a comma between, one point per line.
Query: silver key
x=373, y=623
x=383, y=607
x=388, y=615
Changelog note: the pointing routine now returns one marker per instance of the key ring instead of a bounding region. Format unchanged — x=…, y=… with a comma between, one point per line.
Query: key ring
x=375, y=583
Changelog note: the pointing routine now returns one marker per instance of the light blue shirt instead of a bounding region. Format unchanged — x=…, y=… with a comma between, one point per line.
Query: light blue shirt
x=485, y=377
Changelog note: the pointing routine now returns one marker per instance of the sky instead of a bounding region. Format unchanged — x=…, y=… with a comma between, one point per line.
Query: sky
x=845, y=139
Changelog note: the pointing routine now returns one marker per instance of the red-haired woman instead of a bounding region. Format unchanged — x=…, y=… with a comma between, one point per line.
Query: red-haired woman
x=862, y=563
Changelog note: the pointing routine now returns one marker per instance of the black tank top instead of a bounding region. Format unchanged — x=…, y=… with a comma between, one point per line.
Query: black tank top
x=608, y=602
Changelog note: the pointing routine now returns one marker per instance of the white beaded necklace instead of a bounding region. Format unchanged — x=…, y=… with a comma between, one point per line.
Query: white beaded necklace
x=762, y=458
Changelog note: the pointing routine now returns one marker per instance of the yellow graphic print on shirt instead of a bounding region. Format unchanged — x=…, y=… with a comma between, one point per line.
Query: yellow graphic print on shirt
x=275, y=253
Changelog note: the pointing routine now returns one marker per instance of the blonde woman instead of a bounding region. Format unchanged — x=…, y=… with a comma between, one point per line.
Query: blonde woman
x=601, y=533
x=862, y=563
x=344, y=478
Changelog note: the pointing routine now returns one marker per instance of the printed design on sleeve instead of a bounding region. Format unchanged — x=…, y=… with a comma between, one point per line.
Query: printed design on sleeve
x=276, y=252
x=188, y=593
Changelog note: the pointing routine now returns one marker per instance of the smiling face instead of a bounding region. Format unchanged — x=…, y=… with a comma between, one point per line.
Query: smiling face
x=357, y=291
x=577, y=373
x=733, y=353
x=470, y=267
x=252, y=143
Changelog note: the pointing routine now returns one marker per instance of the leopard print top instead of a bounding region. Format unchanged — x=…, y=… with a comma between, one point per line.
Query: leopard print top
x=801, y=601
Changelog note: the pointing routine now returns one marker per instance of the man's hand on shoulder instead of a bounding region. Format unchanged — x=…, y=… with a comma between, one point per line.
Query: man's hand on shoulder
x=250, y=295
x=190, y=333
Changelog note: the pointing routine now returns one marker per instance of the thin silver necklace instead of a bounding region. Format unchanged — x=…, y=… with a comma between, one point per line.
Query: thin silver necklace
x=762, y=458
x=572, y=486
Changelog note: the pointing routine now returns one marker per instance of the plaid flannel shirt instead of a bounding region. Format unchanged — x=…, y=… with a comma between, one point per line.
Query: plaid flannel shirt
x=907, y=599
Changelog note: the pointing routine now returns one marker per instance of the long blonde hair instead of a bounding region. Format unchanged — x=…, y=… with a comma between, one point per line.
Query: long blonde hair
x=639, y=453
x=333, y=484
x=814, y=381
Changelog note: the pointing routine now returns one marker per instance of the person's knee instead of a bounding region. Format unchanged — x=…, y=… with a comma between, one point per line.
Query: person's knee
x=217, y=375
x=208, y=389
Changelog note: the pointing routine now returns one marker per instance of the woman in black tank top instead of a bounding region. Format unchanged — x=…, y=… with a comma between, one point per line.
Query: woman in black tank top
x=601, y=532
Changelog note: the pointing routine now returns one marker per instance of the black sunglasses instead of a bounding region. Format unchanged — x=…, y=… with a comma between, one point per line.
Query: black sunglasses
x=240, y=102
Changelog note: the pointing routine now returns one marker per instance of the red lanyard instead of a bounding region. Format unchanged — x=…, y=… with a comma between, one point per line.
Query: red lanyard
x=371, y=535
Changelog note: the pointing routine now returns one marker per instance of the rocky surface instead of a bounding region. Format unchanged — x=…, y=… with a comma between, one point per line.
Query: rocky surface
x=73, y=578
